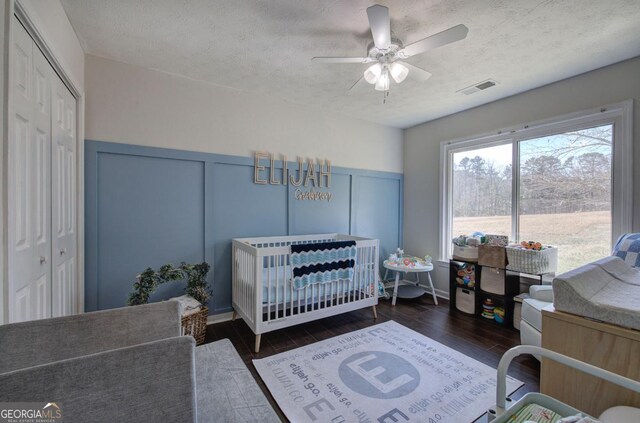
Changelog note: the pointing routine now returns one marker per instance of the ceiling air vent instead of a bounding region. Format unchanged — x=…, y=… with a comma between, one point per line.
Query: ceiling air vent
x=478, y=87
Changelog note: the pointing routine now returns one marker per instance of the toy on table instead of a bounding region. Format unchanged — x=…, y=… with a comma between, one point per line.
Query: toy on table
x=399, y=259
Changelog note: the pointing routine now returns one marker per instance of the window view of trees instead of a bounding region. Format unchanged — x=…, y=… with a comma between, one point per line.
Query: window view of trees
x=566, y=173
x=564, y=192
x=482, y=190
x=481, y=187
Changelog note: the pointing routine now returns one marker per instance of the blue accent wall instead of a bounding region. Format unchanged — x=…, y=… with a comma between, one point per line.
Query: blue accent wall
x=145, y=207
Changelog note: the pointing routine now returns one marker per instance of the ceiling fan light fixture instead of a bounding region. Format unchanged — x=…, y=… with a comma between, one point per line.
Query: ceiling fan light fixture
x=372, y=74
x=382, y=84
x=398, y=72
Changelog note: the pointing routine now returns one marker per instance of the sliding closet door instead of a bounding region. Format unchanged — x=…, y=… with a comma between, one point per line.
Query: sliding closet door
x=29, y=182
x=64, y=287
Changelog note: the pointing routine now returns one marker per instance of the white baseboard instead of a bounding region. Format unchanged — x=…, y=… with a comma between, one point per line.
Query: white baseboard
x=442, y=294
x=222, y=317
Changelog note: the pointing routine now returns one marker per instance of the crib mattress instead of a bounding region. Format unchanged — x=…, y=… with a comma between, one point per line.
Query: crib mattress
x=607, y=290
x=281, y=286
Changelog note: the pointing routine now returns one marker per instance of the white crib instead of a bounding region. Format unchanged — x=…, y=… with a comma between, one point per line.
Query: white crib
x=265, y=298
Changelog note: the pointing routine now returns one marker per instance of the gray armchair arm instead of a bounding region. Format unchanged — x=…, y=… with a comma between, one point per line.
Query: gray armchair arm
x=38, y=342
x=152, y=382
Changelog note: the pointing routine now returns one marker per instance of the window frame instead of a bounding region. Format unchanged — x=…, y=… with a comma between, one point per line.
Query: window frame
x=620, y=115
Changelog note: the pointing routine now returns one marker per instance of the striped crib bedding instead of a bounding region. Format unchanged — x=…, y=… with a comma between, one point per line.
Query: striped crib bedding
x=322, y=262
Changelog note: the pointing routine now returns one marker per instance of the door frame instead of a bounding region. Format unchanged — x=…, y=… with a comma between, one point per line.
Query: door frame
x=36, y=30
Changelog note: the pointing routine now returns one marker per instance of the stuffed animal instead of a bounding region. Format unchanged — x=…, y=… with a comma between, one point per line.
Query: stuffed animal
x=531, y=245
x=466, y=276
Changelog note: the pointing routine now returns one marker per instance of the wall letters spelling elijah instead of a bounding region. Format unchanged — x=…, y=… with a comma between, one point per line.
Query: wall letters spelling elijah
x=316, y=178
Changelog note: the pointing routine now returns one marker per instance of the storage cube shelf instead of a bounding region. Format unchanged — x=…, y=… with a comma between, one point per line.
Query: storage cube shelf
x=471, y=284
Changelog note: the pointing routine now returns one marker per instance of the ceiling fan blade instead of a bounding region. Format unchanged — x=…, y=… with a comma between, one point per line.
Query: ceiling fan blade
x=360, y=83
x=457, y=33
x=380, y=26
x=342, y=59
x=417, y=73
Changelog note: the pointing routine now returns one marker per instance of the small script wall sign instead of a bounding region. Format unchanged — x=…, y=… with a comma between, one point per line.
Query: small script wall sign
x=316, y=175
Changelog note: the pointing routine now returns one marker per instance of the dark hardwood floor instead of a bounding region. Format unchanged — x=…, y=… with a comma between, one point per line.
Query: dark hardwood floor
x=475, y=337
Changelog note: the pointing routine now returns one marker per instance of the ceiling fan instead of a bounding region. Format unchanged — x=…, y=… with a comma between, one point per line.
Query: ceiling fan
x=386, y=53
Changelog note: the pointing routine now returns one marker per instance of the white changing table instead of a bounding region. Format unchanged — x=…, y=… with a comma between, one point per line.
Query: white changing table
x=410, y=289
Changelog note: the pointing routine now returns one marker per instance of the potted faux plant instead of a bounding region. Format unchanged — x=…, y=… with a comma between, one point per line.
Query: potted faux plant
x=195, y=323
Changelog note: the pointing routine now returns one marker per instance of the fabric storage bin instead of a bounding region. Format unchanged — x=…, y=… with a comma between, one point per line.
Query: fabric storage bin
x=493, y=280
x=465, y=253
x=532, y=261
x=492, y=256
x=466, y=300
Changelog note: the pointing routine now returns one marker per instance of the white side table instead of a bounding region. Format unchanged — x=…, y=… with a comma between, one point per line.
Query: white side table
x=410, y=289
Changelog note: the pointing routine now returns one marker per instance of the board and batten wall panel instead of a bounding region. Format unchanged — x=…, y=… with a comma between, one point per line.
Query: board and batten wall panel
x=320, y=217
x=239, y=209
x=374, y=210
x=151, y=210
x=148, y=206
x=608, y=85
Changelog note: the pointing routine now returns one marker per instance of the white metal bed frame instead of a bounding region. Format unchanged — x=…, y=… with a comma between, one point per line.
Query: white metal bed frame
x=250, y=258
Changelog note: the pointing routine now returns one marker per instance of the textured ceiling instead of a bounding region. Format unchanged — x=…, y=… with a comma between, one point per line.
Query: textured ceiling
x=266, y=46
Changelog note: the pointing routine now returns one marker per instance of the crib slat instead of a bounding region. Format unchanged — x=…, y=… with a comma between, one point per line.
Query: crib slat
x=360, y=274
x=269, y=272
x=365, y=282
x=286, y=274
x=256, y=287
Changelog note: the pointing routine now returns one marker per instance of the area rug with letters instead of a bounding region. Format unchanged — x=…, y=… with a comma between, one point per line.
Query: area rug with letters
x=383, y=373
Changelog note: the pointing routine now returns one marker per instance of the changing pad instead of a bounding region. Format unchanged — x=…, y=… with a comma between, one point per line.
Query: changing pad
x=607, y=290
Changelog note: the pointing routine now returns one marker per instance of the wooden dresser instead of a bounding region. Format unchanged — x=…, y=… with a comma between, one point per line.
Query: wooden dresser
x=606, y=346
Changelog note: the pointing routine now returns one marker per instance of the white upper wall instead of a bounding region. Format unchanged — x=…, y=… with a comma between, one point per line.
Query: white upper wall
x=608, y=85
x=54, y=26
x=129, y=104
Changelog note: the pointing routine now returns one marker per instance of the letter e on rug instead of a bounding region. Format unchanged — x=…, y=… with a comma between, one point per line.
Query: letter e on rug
x=379, y=374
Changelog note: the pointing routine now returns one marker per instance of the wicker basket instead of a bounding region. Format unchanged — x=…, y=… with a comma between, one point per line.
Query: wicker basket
x=532, y=261
x=195, y=324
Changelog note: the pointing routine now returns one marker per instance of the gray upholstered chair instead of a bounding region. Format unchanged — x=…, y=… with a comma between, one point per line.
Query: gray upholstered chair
x=128, y=364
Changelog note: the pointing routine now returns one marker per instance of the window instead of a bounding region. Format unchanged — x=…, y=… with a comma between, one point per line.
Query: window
x=481, y=194
x=565, y=182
